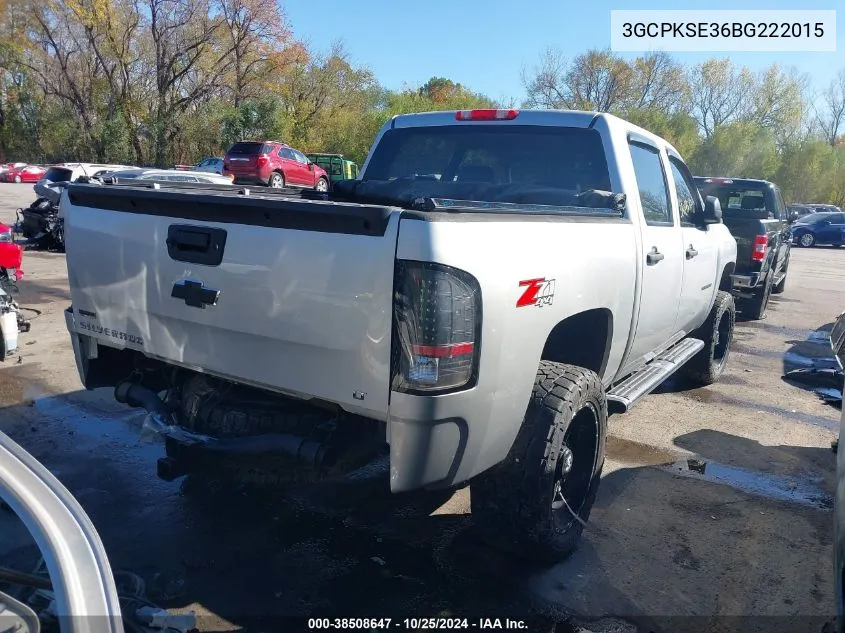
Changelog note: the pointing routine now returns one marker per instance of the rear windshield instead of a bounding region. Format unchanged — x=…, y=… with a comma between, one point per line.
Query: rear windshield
x=58, y=174
x=533, y=160
x=740, y=200
x=247, y=149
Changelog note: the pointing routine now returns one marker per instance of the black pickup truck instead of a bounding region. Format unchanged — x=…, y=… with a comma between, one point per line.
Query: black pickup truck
x=756, y=215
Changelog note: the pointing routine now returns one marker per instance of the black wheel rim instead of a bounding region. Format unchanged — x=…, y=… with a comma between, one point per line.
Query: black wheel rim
x=574, y=468
x=722, y=342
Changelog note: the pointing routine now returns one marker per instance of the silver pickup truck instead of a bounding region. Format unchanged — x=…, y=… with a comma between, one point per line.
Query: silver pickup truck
x=473, y=305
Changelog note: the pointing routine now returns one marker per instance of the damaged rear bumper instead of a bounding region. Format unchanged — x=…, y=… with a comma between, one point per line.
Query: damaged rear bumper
x=434, y=441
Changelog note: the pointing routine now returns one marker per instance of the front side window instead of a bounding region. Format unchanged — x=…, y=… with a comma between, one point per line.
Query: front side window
x=651, y=183
x=687, y=193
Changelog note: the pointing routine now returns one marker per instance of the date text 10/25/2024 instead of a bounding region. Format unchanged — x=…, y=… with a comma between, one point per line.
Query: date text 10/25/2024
x=415, y=624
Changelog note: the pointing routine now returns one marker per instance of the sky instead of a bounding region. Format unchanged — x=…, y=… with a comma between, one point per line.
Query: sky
x=485, y=44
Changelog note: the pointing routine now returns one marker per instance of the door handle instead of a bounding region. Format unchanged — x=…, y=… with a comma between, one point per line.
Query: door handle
x=654, y=256
x=195, y=244
x=691, y=252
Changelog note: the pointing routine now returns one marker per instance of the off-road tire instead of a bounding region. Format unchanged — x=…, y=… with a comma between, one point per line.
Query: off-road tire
x=780, y=286
x=512, y=502
x=276, y=177
x=756, y=308
x=707, y=366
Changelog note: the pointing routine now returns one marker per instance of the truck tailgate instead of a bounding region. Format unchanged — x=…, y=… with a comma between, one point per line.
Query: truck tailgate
x=305, y=288
x=744, y=231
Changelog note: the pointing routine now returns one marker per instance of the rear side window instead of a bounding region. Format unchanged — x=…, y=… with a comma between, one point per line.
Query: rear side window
x=651, y=182
x=58, y=174
x=247, y=149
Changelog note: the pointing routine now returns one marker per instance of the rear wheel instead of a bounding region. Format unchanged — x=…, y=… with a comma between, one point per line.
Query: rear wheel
x=276, y=180
x=707, y=366
x=807, y=240
x=536, y=502
x=17, y=179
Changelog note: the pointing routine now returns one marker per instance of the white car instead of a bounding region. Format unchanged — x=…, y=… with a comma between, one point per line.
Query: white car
x=170, y=175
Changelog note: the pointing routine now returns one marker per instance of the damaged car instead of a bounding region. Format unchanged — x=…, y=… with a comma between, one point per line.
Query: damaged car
x=40, y=222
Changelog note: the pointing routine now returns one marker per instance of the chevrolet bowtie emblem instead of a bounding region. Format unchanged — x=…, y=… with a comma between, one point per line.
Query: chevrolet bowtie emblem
x=195, y=294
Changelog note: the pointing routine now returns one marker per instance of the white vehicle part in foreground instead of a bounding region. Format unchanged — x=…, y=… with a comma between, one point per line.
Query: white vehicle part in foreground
x=83, y=585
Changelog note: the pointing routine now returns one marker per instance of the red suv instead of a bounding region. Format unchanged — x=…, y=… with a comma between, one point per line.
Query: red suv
x=274, y=164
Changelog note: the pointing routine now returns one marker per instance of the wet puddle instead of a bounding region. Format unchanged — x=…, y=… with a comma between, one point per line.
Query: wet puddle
x=804, y=491
x=776, y=487
x=630, y=452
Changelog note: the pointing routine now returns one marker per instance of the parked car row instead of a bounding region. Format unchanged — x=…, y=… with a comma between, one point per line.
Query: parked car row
x=801, y=209
x=272, y=163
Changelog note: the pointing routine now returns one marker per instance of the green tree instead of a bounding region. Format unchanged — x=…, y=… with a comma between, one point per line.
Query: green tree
x=739, y=149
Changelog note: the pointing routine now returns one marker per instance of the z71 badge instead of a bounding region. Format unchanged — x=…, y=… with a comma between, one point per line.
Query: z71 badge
x=538, y=292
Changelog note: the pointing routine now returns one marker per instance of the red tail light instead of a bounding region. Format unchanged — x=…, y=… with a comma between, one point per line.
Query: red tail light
x=486, y=115
x=263, y=159
x=437, y=328
x=761, y=245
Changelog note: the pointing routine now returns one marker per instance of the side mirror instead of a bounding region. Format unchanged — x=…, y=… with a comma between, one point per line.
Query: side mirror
x=310, y=166
x=712, y=211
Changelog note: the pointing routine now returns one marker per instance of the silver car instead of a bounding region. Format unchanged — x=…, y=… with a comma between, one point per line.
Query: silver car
x=170, y=175
x=213, y=165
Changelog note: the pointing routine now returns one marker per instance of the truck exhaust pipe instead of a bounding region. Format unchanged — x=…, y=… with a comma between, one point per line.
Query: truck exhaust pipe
x=135, y=395
x=188, y=452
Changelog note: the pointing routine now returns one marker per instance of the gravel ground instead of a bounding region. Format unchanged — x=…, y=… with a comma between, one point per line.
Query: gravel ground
x=750, y=536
